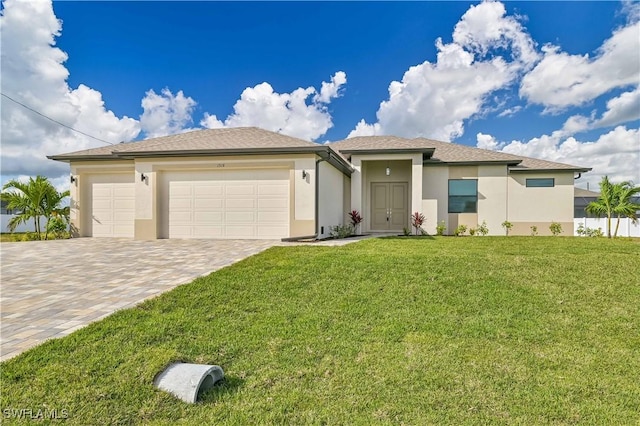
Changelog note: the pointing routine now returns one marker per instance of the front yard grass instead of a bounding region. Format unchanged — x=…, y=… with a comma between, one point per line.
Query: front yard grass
x=484, y=330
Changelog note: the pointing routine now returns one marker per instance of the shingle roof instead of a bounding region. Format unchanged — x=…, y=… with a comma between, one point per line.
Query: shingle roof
x=579, y=192
x=248, y=139
x=448, y=152
x=201, y=140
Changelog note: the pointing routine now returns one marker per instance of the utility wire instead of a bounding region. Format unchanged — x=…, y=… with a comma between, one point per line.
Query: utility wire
x=55, y=121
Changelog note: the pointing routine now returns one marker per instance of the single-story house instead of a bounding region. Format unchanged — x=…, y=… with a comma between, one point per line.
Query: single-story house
x=253, y=183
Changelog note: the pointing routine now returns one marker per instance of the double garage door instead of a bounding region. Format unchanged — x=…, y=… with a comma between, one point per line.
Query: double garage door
x=196, y=204
x=225, y=204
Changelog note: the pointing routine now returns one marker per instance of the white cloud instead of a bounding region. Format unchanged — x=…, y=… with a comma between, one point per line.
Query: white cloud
x=616, y=153
x=33, y=73
x=561, y=80
x=302, y=113
x=166, y=113
x=434, y=99
x=621, y=109
x=330, y=90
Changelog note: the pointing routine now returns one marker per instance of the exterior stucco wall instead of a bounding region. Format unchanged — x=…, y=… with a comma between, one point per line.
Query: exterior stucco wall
x=435, y=196
x=540, y=206
x=331, y=209
x=492, y=197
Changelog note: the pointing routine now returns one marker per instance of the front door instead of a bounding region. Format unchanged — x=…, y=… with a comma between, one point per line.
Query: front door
x=389, y=206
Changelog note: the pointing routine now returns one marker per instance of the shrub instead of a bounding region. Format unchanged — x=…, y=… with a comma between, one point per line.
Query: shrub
x=555, y=228
x=460, y=230
x=57, y=226
x=472, y=231
x=417, y=219
x=406, y=231
x=30, y=236
x=592, y=232
x=534, y=230
x=589, y=232
x=507, y=226
x=441, y=228
x=341, y=231
x=483, y=229
x=354, y=216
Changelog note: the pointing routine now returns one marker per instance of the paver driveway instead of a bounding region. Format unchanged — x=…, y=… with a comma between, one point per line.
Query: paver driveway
x=51, y=288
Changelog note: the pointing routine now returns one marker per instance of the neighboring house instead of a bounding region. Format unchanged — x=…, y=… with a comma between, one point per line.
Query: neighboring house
x=582, y=198
x=252, y=183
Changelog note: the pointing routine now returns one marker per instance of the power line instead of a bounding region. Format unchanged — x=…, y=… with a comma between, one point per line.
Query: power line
x=55, y=121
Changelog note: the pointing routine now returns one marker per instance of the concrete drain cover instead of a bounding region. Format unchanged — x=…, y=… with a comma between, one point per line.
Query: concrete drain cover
x=187, y=381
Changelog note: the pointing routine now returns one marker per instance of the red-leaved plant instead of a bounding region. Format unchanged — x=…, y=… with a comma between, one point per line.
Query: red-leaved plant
x=355, y=217
x=417, y=219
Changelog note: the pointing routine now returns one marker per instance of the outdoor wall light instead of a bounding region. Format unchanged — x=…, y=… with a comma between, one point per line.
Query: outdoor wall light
x=388, y=171
x=73, y=179
x=304, y=174
x=143, y=177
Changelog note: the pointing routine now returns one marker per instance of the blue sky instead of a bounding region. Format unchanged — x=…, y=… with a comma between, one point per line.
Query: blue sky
x=204, y=59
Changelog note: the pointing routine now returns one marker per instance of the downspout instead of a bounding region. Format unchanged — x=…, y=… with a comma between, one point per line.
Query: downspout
x=317, y=205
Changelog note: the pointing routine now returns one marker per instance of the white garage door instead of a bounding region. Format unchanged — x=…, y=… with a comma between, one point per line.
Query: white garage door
x=112, y=205
x=228, y=204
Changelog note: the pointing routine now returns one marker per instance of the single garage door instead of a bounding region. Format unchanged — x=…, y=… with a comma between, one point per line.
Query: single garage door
x=112, y=205
x=228, y=204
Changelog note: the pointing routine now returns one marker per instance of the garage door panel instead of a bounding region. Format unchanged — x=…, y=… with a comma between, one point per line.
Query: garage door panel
x=208, y=188
x=232, y=231
x=208, y=204
x=240, y=203
x=272, y=189
x=273, y=203
x=208, y=217
x=271, y=217
x=240, y=216
x=234, y=189
x=228, y=204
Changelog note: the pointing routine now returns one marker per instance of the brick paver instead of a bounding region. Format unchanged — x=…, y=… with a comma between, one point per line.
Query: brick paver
x=51, y=288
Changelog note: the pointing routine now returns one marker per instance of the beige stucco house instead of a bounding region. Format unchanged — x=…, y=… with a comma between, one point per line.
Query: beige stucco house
x=253, y=183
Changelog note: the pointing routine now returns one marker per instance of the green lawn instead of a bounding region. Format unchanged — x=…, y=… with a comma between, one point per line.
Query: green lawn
x=482, y=330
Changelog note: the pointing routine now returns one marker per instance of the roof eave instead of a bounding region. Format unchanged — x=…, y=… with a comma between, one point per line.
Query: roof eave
x=387, y=151
x=471, y=163
x=70, y=158
x=551, y=170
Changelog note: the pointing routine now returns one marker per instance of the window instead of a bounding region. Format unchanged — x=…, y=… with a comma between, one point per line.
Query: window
x=463, y=195
x=541, y=183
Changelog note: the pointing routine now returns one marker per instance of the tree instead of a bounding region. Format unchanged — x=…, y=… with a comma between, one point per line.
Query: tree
x=34, y=199
x=615, y=200
x=624, y=206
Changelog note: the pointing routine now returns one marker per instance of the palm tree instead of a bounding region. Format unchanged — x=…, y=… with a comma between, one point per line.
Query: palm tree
x=625, y=206
x=614, y=199
x=33, y=199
